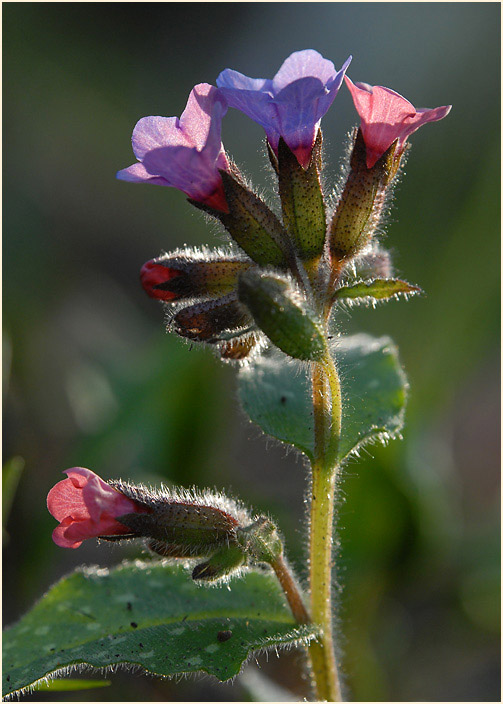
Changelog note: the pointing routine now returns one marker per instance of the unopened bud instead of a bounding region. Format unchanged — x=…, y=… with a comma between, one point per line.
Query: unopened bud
x=283, y=314
x=221, y=564
x=190, y=274
x=361, y=203
x=208, y=320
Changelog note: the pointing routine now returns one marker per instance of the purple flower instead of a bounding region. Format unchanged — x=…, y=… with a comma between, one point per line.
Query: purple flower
x=184, y=153
x=290, y=105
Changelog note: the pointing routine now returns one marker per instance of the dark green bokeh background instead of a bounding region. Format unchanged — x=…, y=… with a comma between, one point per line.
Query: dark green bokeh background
x=91, y=378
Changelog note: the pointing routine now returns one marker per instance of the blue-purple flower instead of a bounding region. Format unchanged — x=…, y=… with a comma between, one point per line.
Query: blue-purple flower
x=290, y=105
x=184, y=153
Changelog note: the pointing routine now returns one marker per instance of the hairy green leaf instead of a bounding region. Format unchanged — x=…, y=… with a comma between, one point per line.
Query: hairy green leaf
x=276, y=393
x=149, y=615
x=379, y=289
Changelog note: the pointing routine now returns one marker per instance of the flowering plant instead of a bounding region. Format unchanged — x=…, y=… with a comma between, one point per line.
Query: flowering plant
x=268, y=303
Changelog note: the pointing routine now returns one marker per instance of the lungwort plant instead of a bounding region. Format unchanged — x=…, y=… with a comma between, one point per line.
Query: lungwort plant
x=269, y=304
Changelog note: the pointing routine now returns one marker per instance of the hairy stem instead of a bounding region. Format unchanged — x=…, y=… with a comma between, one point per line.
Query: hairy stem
x=291, y=589
x=327, y=429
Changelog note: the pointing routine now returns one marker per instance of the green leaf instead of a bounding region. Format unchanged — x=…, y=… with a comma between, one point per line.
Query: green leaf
x=378, y=289
x=151, y=615
x=70, y=685
x=276, y=394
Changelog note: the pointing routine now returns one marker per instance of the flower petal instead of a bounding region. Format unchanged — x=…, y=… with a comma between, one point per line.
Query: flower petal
x=65, y=499
x=201, y=119
x=101, y=500
x=137, y=173
x=303, y=64
x=87, y=507
x=387, y=116
x=154, y=131
x=59, y=535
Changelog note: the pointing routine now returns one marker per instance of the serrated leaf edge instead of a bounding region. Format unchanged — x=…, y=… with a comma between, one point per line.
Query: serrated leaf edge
x=300, y=636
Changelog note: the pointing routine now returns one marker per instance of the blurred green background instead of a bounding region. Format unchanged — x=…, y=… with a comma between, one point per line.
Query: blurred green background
x=91, y=378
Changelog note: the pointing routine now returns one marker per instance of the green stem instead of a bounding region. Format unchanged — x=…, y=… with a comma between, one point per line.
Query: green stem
x=327, y=429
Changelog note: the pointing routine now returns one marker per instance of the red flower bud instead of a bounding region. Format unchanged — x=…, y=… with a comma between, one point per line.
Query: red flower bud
x=155, y=280
x=189, y=274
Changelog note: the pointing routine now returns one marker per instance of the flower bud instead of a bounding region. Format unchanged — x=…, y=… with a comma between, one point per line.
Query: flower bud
x=222, y=563
x=361, y=203
x=282, y=313
x=208, y=320
x=189, y=275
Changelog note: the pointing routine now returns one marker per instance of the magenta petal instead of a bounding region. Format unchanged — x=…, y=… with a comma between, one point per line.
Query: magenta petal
x=83, y=530
x=422, y=116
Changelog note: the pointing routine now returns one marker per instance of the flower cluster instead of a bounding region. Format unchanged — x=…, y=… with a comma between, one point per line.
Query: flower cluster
x=281, y=281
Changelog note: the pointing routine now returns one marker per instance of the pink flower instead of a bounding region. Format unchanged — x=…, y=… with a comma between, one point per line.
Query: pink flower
x=387, y=116
x=87, y=507
x=184, y=153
